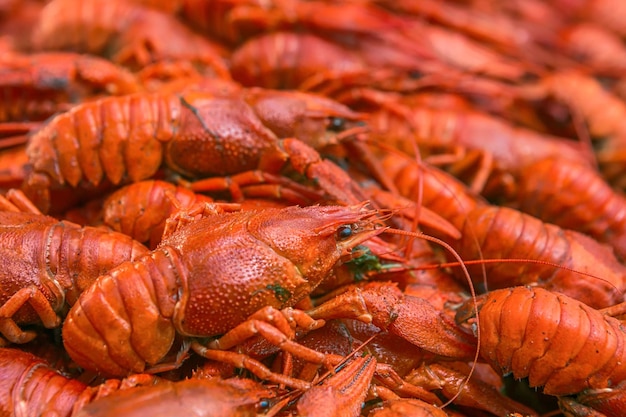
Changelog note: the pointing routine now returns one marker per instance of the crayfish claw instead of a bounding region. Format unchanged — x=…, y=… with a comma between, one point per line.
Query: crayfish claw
x=342, y=393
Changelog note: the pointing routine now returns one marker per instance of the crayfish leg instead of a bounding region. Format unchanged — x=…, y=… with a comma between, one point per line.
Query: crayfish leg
x=278, y=328
x=240, y=360
x=19, y=201
x=34, y=297
x=279, y=335
x=484, y=166
x=573, y=408
x=406, y=407
x=37, y=187
x=474, y=393
x=617, y=310
x=258, y=183
x=183, y=217
x=395, y=385
x=610, y=401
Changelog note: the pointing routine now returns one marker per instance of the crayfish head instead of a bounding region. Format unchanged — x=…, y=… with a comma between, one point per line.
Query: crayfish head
x=217, y=136
x=314, y=119
x=316, y=238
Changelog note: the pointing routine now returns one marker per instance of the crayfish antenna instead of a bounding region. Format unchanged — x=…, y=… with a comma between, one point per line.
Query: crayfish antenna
x=473, y=295
x=12, y=141
x=16, y=133
x=422, y=172
x=522, y=261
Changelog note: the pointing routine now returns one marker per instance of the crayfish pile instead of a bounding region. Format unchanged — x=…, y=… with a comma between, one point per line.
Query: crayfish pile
x=312, y=207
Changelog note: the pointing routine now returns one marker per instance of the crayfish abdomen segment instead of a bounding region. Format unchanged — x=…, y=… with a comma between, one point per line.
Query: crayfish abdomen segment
x=124, y=321
x=59, y=259
x=93, y=141
x=554, y=340
x=79, y=255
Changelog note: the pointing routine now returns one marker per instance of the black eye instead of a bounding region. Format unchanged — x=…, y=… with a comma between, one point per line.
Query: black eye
x=336, y=124
x=344, y=232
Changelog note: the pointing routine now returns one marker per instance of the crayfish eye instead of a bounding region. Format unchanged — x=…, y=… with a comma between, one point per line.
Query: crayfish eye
x=263, y=404
x=344, y=232
x=337, y=124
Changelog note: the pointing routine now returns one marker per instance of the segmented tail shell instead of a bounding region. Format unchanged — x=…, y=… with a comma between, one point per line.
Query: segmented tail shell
x=557, y=342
